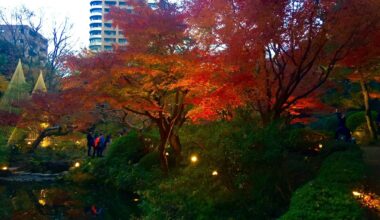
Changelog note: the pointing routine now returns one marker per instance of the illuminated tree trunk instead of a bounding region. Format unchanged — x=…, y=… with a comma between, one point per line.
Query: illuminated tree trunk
x=175, y=143
x=368, y=114
x=161, y=149
x=48, y=132
x=168, y=136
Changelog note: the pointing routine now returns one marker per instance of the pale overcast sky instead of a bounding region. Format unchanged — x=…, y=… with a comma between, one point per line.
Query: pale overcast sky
x=57, y=10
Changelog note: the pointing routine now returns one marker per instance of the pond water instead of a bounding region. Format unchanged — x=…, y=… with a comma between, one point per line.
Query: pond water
x=64, y=201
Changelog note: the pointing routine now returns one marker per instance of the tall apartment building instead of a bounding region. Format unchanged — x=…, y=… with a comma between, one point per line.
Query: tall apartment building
x=27, y=41
x=102, y=34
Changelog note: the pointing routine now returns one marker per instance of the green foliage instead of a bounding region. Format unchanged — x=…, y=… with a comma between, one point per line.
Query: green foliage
x=357, y=119
x=126, y=166
x=126, y=148
x=255, y=173
x=4, y=149
x=329, y=196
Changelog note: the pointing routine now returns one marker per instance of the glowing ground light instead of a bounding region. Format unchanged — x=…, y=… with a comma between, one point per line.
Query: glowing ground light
x=4, y=168
x=369, y=200
x=77, y=164
x=215, y=173
x=29, y=142
x=42, y=202
x=136, y=199
x=320, y=146
x=356, y=193
x=194, y=158
x=167, y=153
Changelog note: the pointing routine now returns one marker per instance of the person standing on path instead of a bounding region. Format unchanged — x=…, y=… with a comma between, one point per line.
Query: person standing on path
x=342, y=130
x=95, y=145
x=90, y=143
x=101, y=145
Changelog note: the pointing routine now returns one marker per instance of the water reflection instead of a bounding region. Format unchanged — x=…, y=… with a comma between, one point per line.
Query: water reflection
x=63, y=201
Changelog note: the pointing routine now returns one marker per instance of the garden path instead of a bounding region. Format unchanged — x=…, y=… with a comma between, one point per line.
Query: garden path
x=371, y=155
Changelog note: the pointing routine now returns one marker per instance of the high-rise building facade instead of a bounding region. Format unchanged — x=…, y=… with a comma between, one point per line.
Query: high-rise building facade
x=102, y=34
x=30, y=44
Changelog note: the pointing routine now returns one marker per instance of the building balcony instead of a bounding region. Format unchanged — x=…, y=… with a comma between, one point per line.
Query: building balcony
x=95, y=3
x=96, y=43
x=96, y=13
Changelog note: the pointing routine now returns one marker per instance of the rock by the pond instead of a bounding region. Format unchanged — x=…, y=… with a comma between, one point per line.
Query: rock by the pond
x=4, y=173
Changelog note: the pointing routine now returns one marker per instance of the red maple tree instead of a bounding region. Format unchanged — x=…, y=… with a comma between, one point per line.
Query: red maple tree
x=280, y=52
x=158, y=75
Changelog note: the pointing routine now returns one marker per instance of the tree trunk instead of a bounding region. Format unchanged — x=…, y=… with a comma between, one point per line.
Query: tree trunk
x=175, y=143
x=37, y=142
x=161, y=149
x=368, y=114
x=52, y=131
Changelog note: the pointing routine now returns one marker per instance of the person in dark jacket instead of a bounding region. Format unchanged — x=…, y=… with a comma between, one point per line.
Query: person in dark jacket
x=106, y=143
x=342, y=130
x=100, y=145
x=90, y=143
x=95, y=145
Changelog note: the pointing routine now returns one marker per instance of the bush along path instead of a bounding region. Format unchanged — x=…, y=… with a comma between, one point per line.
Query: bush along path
x=371, y=156
x=330, y=194
x=371, y=195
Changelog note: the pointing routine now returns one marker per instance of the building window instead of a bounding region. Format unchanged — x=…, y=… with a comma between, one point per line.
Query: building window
x=95, y=47
x=96, y=40
x=108, y=25
x=110, y=3
x=96, y=3
x=94, y=25
x=96, y=18
x=122, y=3
x=110, y=33
x=107, y=10
x=95, y=33
x=110, y=40
x=122, y=41
x=96, y=10
x=108, y=48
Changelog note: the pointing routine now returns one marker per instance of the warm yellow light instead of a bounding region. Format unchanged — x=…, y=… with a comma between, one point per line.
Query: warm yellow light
x=356, y=193
x=42, y=202
x=4, y=168
x=136, y=199
x=320, y=146
x=77, y=142
x=194, y=159
x=167, y=153
x=215, y=173
x=45, y=143
x=44, y=125
x=77, y=164
x=29, y=143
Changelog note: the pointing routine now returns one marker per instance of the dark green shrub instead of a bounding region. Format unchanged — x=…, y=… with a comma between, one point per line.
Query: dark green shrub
x=121, y=167
x=4, y=150
x=329, y=196
x=357, y=119
x=150, y=160
x=255, y=173
x=126, y=149
x=316, y=201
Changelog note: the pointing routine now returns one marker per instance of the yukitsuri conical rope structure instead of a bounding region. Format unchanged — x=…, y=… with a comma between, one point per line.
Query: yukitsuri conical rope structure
x=40, y=84
x=17, y=90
